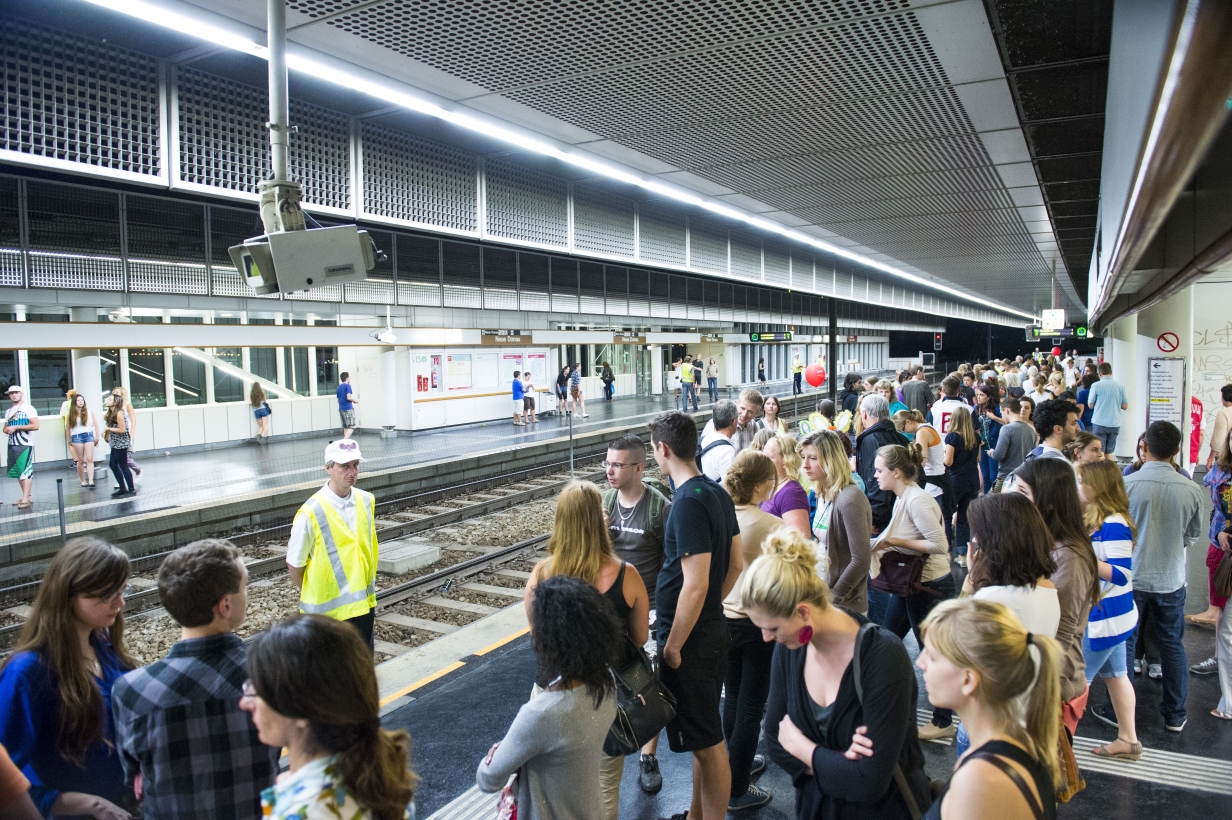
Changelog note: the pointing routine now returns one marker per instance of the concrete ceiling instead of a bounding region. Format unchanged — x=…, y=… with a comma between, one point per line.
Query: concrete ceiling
x=885, y=126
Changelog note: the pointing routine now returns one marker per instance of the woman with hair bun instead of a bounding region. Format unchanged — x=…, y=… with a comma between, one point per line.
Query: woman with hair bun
x=312, y=689
x=915, y=529
x=839, y=739
x=979, y=660
x=749, y=481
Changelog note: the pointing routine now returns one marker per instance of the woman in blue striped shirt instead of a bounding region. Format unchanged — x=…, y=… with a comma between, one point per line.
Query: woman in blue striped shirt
x=1113, y=618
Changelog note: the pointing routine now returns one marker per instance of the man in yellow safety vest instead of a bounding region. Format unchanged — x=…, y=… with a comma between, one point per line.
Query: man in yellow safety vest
x=332, y=553
x=797, y=370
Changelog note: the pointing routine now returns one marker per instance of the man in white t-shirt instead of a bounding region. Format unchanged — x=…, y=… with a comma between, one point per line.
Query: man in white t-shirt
x=943, y=409
x=717, y=449
x=20, y=421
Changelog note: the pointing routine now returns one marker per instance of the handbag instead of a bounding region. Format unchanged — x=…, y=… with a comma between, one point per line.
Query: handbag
x=1069, y=767
x=900, y=573
x=1223, y=576
x=643, y=704
x=507, y=802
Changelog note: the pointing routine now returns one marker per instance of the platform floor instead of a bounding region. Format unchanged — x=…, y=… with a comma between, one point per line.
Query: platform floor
x=180, y=478
x=454, y=719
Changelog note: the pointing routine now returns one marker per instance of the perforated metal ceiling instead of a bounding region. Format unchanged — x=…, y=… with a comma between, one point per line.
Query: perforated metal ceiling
x=835, y=112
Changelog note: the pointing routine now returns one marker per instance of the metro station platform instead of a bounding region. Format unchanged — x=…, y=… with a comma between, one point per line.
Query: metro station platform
x=174, y=479
x=1181, y=775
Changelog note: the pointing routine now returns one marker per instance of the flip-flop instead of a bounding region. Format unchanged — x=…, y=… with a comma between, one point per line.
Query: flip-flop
x=24, y=505
x=1202, y=622
x=1221, y=715
x=1135, y=752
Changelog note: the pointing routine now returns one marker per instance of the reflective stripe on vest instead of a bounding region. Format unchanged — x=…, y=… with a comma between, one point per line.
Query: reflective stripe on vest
x=344, y=601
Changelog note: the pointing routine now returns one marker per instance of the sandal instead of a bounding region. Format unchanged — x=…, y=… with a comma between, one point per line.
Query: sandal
x=24, y=505
x=1221, y=715
x=1134, y=753
x=1199, y=621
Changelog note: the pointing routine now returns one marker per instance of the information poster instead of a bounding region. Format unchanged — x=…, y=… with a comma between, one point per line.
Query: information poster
x=537, y=364
x=487, y=376
x=1166, y=392
x=509, y=363
x=438, y=379
x=458, y=371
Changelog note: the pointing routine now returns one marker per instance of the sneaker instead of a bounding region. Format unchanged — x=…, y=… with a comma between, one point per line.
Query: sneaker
x=931, y=731
x=1155, y=671
x=1137, y=666
x=1173, y=726
x=1208, y=667
x=119, y=491
x=586, y=415
x=649, y=778
x=759, y=766
x=1104, y=713
x=754, y=798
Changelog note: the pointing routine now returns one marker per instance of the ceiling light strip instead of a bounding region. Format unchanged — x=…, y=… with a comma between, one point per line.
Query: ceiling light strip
x=297, y=61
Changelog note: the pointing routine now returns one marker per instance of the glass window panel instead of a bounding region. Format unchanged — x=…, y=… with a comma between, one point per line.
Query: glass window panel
x=50, y=378
x=327, y=370
x=8, y=369
x=226, y=386
x=188, y=377
x=263, y=362
x=145, y=377
x=295, y=362
x=109, y=369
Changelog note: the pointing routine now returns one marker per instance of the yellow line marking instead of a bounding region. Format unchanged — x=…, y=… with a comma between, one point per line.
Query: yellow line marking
x=422, y=682
x=523, y=631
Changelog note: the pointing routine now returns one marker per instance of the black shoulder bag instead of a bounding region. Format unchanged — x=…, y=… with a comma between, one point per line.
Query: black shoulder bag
x=643, y=704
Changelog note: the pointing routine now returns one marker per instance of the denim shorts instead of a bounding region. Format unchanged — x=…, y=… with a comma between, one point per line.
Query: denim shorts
x=84, y=438
x=1107, y=663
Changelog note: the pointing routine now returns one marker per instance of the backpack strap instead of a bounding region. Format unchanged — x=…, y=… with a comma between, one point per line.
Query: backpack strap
x=900, y=779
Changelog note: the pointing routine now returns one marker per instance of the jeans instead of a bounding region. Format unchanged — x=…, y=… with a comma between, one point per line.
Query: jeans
x=906, y=614
x=1164, y=613
x=961, y=529
x=119, y=468
x=1107, y=436
x=1107, y=663
x=747, y=686
x=713, y=384
x=988, y=469
x=689, y=392
x=796, y=387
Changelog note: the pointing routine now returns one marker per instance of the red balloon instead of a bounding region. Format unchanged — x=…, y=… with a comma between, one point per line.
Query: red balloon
x=815, y=374
x=1056, y=351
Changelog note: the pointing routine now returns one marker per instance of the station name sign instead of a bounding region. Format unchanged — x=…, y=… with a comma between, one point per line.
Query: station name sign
x=629, y=340
x=504, y=337
x=712, y=338
x=777, y=336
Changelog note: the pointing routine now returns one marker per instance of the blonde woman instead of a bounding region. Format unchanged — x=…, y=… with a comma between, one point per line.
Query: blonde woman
x=1105, y=511
x=789, y=501
x=580, y=548
x=760, y=439
x=843, y=522
x=770, y=415
x=749, y=481
x=979, y=660
x=82, y=431
x=260, y=411
x=119, y=394
x=844, y=752
x=962, y=465
x=936, y=480
x=886, y=388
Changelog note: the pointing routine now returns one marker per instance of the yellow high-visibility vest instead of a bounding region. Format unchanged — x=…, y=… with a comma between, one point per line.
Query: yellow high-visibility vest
x=797, y=366
x=340, y=577
x=686, y=372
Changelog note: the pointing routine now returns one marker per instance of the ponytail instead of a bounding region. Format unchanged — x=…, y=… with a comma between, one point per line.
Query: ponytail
x=990, y=639
x=909, y=459
x=374, y=768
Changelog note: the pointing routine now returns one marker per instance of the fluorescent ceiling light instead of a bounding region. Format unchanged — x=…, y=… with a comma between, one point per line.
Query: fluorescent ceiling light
x=391, y=92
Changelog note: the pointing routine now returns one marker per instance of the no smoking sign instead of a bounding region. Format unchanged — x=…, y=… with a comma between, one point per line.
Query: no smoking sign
x=1168, y=342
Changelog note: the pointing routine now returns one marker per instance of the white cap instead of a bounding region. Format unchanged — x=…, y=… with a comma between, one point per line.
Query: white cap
x=343, y=451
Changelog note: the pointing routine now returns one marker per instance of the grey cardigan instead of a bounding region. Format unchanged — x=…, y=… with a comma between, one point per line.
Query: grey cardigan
x=556, y=741
x=849, y=535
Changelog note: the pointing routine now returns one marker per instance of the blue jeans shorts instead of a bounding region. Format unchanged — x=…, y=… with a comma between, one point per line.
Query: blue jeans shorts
x=83, y=438
x=1107, y=663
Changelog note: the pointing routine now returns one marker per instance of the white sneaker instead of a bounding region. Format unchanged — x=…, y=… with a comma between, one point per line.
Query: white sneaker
x=1155, y=671
x=586, y=415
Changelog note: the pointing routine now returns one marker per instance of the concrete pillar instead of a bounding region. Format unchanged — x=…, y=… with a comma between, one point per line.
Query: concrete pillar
x=389, y=391
x=656, y=371
x=87, y=370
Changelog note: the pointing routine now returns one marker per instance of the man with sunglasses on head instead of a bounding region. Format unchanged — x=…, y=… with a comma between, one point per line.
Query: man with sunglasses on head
x=635, y=513
x=332, y=553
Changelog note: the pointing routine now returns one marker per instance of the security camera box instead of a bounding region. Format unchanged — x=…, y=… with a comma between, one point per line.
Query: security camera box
x=317, y=257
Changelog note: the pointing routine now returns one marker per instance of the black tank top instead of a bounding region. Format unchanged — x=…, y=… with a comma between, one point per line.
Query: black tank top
x=616, y=594
x=995, y=752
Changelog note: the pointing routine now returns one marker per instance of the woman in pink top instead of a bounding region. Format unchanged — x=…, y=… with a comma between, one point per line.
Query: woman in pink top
x=790, y=501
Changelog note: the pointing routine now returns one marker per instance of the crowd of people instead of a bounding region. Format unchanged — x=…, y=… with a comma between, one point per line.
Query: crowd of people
x=774, y=576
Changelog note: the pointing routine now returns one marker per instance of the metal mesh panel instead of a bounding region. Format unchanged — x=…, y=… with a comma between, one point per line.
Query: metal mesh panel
x=409, y=178
x=462, y=278
x=695, y=297
x=74, y=237
x=601, y=222
x=10, y=235
x=590, y=276
x=527, y=206
x=711, y=298
x=151, y=276
x=564, y=285
x=534, y=290
x=79, y=100
x=230, y=226
x=745, y=256
x=707, y=246
x=166, y=230
x=802, y=271
x=223, y=143
x=777, y=265
x=616, y=290
x=660, y=303
x=639, y=293
x=500, y=279
x=11, y=268
x=661, y=235
x=419, y=271
x=679, y=291
x=726, y=312
x=740, y=301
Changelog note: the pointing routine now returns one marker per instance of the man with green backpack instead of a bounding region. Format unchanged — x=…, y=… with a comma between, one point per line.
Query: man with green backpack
x=635, y=509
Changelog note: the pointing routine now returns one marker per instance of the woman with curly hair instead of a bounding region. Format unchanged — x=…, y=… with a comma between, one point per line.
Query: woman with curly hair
x=555, y=744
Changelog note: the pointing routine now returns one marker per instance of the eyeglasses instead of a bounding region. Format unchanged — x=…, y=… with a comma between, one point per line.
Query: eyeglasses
x=122, y=592
x=616, y=465
x=247, y=690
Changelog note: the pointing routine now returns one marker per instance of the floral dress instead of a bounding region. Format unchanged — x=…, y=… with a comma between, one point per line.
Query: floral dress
x=315, y=792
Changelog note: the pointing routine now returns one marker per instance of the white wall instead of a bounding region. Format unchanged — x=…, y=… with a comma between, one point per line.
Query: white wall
x=1212, y=352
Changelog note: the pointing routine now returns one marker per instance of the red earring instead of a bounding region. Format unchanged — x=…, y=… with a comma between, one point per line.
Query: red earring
x=805, y=635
